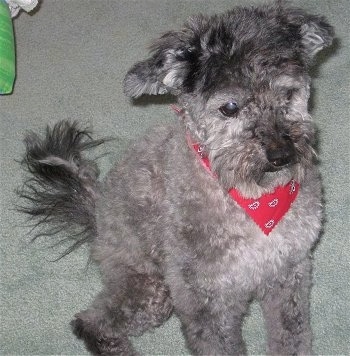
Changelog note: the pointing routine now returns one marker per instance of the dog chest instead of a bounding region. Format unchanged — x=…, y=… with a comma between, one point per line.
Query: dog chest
x=224, y=248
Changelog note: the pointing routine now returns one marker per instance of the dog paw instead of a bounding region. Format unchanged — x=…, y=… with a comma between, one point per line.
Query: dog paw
x=99, y=343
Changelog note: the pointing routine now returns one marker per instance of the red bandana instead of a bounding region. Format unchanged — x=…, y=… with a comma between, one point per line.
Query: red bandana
x=267, y=210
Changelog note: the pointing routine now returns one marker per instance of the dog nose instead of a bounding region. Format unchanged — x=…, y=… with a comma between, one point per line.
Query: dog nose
x=279, y=158
x=281, y=153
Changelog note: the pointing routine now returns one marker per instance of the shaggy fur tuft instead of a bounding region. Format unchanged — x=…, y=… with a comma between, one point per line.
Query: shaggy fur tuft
x=61, y=191
x=165, y=232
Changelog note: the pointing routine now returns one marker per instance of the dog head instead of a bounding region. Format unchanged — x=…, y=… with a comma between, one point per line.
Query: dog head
x=242, y=81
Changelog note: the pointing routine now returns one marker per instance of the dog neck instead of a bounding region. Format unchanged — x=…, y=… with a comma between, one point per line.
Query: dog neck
x=267, y=210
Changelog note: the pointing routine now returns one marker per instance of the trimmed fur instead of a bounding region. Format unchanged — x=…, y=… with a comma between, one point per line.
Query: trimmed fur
x=165, y=233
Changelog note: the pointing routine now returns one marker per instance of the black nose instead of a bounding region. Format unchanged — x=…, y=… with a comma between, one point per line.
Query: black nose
x=279, y=158
x=280, y=153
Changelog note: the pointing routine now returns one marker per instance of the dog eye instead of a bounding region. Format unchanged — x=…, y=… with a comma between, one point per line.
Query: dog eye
x=229, y=109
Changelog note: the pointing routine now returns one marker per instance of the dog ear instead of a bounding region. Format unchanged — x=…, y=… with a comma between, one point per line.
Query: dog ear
x=315, y=32
x=164, y=71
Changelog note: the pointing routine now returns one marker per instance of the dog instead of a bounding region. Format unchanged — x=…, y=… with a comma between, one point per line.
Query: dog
x=207, y=213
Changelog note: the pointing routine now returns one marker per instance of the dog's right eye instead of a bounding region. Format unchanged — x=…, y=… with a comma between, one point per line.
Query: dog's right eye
x=230, y=109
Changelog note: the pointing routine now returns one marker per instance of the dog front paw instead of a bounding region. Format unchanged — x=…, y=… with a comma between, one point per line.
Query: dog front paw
x=99, y=342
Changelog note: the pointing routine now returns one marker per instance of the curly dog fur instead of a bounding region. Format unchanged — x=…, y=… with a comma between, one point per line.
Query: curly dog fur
x=165, y=232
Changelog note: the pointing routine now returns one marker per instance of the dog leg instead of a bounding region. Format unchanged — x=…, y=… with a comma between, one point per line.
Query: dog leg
x=135, y=304
x=286, y=311
x=215, y=332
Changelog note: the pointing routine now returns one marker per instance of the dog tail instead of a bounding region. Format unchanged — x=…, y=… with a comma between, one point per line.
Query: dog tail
x=61, y=190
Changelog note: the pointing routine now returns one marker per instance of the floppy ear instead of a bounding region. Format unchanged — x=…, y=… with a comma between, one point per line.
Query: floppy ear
x=316, y=34
x=164, y=71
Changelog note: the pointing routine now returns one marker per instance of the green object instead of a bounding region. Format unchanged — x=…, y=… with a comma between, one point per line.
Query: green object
x=7, y=50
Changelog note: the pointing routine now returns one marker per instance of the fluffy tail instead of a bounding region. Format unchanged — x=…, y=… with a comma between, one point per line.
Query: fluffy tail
x=61, y=190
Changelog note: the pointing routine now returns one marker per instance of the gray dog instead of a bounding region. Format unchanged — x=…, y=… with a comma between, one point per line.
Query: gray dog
x=206, y=214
